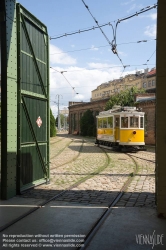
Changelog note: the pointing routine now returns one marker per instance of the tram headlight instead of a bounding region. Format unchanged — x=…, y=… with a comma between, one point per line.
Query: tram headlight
x=134, y=132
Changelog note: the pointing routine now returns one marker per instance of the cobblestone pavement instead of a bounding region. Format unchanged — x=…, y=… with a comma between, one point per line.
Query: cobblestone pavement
x=141, y=191
x=99, y=174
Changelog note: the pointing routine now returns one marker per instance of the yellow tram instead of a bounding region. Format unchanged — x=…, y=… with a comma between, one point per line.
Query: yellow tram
x=121, y=128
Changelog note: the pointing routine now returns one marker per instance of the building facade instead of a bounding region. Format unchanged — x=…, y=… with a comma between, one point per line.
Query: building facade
x=76, y=111
x=147, y=102
x=146, y=80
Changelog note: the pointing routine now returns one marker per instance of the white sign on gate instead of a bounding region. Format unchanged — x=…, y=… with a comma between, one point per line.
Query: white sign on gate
x=39, y=122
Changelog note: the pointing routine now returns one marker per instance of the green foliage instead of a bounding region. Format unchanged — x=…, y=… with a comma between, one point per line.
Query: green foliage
x=56, y=121
x=62, y=121
x=124, y=98
x=87, y=124
x=52, y=125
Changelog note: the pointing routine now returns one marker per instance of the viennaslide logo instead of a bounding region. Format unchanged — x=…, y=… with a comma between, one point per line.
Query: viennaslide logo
x=150, y=239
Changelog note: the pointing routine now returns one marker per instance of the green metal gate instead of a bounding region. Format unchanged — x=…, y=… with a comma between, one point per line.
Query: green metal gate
x=33, y=100
x=30, y=99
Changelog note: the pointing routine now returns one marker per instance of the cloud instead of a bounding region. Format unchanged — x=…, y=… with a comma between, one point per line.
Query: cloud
x=131, y=8
x=153, y=16
x=122, y=53
x=99, y=65
x=135, y=6
x=126, y=3
x=58, y=57
x=150, y=30
x=94, y=48
x=82, y=80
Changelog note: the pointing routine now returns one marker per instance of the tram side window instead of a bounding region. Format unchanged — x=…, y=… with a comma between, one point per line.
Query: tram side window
x=124, y=122
x=134, y=122
x=104, y=122
x=100, y=123
x=110, y=122
x=141, y=122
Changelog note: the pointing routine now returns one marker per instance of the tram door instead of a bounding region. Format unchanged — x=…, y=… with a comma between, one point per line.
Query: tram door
x=117, y=128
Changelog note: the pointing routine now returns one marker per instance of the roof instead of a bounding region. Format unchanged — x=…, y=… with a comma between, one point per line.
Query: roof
x=145, y=99
x=152, y=72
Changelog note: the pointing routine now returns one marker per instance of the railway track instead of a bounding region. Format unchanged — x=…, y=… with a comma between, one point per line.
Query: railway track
x=56, y=141
x=54, y=197
x=106, y=213
x=141, y=156
x=59, y=149
x=122, y=157
x=68, y=157
x=146, y=156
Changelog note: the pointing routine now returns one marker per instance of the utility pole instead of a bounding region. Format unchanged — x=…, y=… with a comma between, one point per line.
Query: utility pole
x=59, y=118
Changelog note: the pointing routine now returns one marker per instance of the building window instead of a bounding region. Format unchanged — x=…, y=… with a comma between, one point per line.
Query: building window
x=144, y=85
x=149, y=84
x=153, y=82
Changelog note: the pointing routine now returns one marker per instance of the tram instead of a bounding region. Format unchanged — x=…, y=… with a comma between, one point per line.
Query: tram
x=121, y=128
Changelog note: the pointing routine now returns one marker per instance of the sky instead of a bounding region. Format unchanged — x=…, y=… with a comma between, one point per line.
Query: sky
x=86, y=57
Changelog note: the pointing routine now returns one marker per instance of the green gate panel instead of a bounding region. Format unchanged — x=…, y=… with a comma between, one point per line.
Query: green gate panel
x=31, y=171
x=24, y=99
x=33, y=100
x=8, y=98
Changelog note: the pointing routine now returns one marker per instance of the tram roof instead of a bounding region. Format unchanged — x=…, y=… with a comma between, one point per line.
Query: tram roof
x=121, y=110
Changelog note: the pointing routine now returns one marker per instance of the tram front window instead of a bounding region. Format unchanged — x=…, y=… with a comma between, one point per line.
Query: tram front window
x=134, y=122
x=124, y=122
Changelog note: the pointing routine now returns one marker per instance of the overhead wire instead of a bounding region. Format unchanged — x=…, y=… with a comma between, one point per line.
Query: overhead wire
x=106, y=24
x=112, y=44
x=149, y=58
x=109, y=67
x=101, y=46
x=61, y=72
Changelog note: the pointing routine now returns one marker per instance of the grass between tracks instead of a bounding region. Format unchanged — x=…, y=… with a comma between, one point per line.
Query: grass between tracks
x=61, y=150
x=108, y=163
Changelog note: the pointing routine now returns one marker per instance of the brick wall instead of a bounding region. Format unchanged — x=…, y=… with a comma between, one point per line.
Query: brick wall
x=149, y=108
x=77, y=110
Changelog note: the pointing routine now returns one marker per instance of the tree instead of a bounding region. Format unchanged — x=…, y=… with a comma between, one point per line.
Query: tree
x=62, y=121
x=52, y=125
x=62, y=117
x=124, y=98
x=87, y=124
